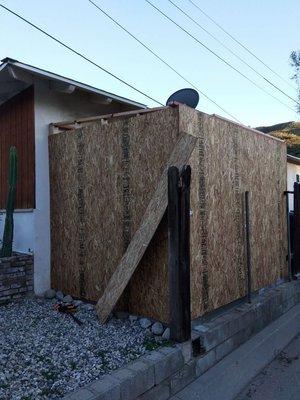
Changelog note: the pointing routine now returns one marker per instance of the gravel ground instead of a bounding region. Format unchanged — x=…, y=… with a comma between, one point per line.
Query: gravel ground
x=44, y=354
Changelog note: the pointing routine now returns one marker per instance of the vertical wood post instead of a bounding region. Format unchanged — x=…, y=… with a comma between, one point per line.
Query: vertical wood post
x=296, y=250
x=185, y=252
x=173, y=253
x=248, y=247
x=179, y=253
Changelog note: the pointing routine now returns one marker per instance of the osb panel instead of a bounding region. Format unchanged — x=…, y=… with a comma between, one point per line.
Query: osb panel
x=123, y=159
x=151, y=145
x=265, y=178
x=64, y=212
x=103, y=212
x=115, y=167
x=233, y=159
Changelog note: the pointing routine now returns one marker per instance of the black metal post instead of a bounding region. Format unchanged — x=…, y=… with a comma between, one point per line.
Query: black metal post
x=287, y=207
x=248, y=246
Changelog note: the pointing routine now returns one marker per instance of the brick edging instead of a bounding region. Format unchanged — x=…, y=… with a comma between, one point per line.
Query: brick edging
x=16, y=276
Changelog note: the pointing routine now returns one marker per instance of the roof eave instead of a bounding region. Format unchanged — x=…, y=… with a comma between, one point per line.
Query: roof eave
x=293, y=160
x=50, y=75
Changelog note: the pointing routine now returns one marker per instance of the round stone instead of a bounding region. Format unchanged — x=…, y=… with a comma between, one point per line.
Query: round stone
x=133, y=318
x=157, y=328
x=145, y=323
x=50, y=294
x=88, y=307
x=68, y=299
x=59, y=295
x=166, y=334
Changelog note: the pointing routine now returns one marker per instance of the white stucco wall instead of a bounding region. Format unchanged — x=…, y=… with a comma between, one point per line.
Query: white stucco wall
x=292, y=171
x=23, y=230
x=52, y=106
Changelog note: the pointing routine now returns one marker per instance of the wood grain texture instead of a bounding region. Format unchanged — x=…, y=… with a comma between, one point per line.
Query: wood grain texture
x=124, y=159
x=119, y=183
x=145, y=232
x=17, y=129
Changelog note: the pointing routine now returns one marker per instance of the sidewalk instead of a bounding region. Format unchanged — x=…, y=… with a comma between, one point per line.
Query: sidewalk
x=230, y=376
x=279, y=380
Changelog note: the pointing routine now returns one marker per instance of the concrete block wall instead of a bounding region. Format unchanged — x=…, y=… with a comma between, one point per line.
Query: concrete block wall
x=221, y=335
x=16, y=276
x=161, y=374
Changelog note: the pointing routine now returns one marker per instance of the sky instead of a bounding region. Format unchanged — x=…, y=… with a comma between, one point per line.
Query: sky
x=269, y=28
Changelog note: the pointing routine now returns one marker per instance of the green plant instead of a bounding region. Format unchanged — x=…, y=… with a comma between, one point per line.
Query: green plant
x=8, y=233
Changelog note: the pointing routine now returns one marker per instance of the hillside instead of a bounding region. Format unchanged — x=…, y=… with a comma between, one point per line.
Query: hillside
x=287, y=131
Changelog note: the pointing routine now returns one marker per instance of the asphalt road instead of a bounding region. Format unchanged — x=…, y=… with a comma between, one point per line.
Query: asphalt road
x=280, y=380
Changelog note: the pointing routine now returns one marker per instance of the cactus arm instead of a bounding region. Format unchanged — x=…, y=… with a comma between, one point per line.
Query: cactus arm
x=6, y=250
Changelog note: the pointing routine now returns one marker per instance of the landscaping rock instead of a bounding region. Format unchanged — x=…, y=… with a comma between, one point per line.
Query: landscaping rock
x=88, y=307
x=166, y=334
x=157, y=328
x=50, y=294
x=45, y=354
x=133, y=318
x=77, y=303
x=145, y=323
x=59, y=295
x=68, y=299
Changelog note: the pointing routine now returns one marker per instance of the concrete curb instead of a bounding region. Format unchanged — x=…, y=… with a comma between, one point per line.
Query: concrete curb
x=225, y=380
x=163, y=373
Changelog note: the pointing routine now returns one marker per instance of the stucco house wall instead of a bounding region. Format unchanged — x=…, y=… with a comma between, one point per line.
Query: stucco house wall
x=55, y=99
x=53, y=106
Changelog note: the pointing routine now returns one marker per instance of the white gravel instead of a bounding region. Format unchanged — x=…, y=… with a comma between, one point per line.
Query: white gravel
x=44, y=354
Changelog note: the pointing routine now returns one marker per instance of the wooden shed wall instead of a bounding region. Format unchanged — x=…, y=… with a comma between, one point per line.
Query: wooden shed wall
x=228, y=160
x=110, y=177
x=115, y=165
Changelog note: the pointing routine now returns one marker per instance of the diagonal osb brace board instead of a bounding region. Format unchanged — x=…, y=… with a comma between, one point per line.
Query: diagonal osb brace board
x=141, y=239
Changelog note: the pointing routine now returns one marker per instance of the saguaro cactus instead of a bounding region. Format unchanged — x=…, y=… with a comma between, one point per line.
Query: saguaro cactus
x=9, y=219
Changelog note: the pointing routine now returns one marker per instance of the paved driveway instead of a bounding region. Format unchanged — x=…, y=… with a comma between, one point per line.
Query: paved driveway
x=280, y=380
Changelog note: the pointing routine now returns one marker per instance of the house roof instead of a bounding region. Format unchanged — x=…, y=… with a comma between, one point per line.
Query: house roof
x=10, y=70
x=293, y=159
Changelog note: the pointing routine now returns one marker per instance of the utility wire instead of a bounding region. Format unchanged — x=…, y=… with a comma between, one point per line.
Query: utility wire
x=216, y=55
x=161, y=59
x=240, y=44
x=80, y=54
x=232, y=52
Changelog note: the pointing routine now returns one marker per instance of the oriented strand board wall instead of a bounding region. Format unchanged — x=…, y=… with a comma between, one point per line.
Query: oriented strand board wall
x=233, y=159
x=103, y=176
x=107, y=176
x=228, y=160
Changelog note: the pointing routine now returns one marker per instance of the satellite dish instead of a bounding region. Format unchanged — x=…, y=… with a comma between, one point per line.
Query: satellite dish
x=189, y=97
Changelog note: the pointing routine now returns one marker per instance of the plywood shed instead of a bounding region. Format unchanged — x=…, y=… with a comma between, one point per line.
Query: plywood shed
x=104, y=172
